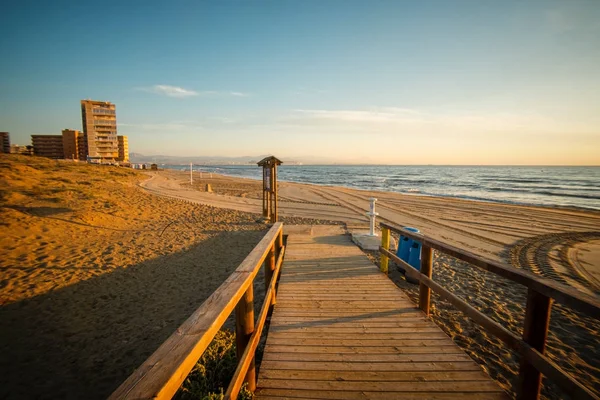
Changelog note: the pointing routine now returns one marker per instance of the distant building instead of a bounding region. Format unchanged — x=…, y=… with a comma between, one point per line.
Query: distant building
x=100, y=130
x=123, y=149
x=5, y=142
x=16, y=149
x=73, y=145
x=50, y=146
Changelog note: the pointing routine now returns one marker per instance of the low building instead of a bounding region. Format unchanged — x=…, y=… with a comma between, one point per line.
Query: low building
x=123, y=149
x=73, y=145
x=5, y=142
x=50, y=146
x=17, y=149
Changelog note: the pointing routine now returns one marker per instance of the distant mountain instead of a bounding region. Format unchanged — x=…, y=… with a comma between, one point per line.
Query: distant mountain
x=245, y=160
x=179, y=160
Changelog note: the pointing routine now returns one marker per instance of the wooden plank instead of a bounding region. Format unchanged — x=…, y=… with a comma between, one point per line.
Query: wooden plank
x=337, y=304
x=328, y=296
x=369, y=366
x=435, y=333
x=269, y=267
x=365, y=357
x=448, y=348
x=359, y=342
x=355, y=330
x=347, y=327
x=535, y=332
x=479, y=386
x=351, y=314
x=388, y=376
x=278, y=394
x=385, y=243
x=341, y=322
x=336, y=291
x=244, y=328
x=427, y=270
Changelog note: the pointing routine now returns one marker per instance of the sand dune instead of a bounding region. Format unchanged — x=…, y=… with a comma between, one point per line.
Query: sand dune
x=96, y=273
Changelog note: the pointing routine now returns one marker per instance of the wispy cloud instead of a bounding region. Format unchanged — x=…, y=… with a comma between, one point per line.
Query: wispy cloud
x=171, y=91
x=179, y=92
x=380, y=115
x=391, y=119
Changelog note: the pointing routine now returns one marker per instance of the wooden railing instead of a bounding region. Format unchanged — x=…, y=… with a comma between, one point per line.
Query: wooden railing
x=541, y=293
x=161, y=375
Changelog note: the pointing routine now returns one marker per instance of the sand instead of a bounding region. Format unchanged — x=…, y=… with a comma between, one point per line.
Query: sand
x=99, y=265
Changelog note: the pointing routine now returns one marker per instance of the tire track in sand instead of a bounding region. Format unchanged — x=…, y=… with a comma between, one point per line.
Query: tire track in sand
x=548, y=256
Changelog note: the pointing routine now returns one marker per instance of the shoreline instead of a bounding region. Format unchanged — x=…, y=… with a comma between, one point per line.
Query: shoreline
x=491, y=230
x=418, y=194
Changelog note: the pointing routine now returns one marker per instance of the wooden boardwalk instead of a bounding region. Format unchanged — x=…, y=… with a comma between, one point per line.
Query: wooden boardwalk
x=342, y=330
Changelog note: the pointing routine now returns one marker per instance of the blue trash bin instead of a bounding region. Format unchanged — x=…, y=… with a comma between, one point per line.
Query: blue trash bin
x=405, y=246
x=414, y=258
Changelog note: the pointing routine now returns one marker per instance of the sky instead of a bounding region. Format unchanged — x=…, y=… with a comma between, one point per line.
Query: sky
x=389, y=82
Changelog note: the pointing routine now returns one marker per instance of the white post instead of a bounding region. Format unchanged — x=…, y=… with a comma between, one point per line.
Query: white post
x=372, y=214
x=191, y=178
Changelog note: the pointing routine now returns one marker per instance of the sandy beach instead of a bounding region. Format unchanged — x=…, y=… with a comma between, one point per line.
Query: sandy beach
x=99, y=265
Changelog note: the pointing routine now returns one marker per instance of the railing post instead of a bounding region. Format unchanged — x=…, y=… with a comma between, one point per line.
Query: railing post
x=385, y=243
x=244, y=326
x=535, y=332
x=426, y=269
x=269, y=269
x=279, y=241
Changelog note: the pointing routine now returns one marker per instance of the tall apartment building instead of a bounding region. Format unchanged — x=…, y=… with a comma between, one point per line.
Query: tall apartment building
x=123, y=149
x=73, y=144
x=5, y=142
x=50, y=146
x=100, y=130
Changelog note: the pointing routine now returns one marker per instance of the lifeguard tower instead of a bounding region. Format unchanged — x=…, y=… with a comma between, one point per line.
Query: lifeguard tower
x=269, y=165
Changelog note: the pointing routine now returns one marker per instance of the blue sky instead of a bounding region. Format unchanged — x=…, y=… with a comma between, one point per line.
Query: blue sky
x=431, y=82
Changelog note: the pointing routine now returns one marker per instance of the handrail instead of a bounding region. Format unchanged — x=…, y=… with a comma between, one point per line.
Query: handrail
x=161, y=375
x=560, y=292
x=248, y=354
x=541, y=291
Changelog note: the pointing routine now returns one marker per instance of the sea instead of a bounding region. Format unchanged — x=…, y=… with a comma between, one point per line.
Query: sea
x=577, y=187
